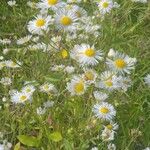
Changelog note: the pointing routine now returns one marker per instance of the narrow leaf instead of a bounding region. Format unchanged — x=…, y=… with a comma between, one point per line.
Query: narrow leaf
x=29, y=140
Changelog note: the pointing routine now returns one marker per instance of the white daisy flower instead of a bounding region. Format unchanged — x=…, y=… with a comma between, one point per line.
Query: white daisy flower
x=111, y=53
x=111, y=146
x=48, y=88
x=29, y=89
x=48, y=104
x=66, y=20
x=116, y=5
x=6, y=145
x=121, y=63
x=100, y=96
x=105, y=6
x=1, y=57
x=39, y=46
x=88, y=25
x=5, y=51
x=55, y=43
x=71, y=36
x=112, y=126
x=86, y=54
x=147, y=80
x=77, y=86
x=108, y=135
x=40, y=111
x=13, y=91
x=31, y=4
x=6, y=81
x=24, y=40
x=5, y=41
x=56, y=39
x=12, y=3
x=147, y=148
x=89, y=75
x=50, y=4
x=94, y=148
x=79, y=12
x=122, y=83
x=35, y=39
x=58, y=67
x=39, y=24
x=106, y=81
x=69, y=69
x=12, y=64
x=104, y=111
x=4, y=99
x=92, y=29
x=20, y=97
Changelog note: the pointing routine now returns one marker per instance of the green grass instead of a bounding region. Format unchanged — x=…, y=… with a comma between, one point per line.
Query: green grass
x=126, y=29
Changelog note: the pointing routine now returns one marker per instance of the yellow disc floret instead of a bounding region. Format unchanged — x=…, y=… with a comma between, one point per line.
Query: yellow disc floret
x=120, y=63
x=40, y=22
x=108, y=83
x=104, y=110
x=105, y=4
x=52, y=2
x=66, y=21
x=46, y=87
x=90, y=52
x=23, y=98
x=109, y=126
x=79, y=87
x=64, y=53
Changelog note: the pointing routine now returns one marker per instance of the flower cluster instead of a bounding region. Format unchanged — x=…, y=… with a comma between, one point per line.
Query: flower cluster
x=67, y=33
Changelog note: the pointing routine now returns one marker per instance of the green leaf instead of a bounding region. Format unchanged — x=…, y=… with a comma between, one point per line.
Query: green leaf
x=54, y=77
x=55, y=136
x=17, y=146
x=29, y=140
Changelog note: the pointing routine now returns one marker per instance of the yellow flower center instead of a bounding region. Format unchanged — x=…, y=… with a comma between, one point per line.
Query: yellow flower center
x=65, y=20
x=64, y=53
x=108, y=83
x=120, y=63
x=23, y=98
x=109, y=127
x=13, y=64
x=104, y=110
x=79, y=87
x=52, y=2
x=89, y=76
x=46, y=87
x=40, y=22
x=90, y=52
x=105, y=4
